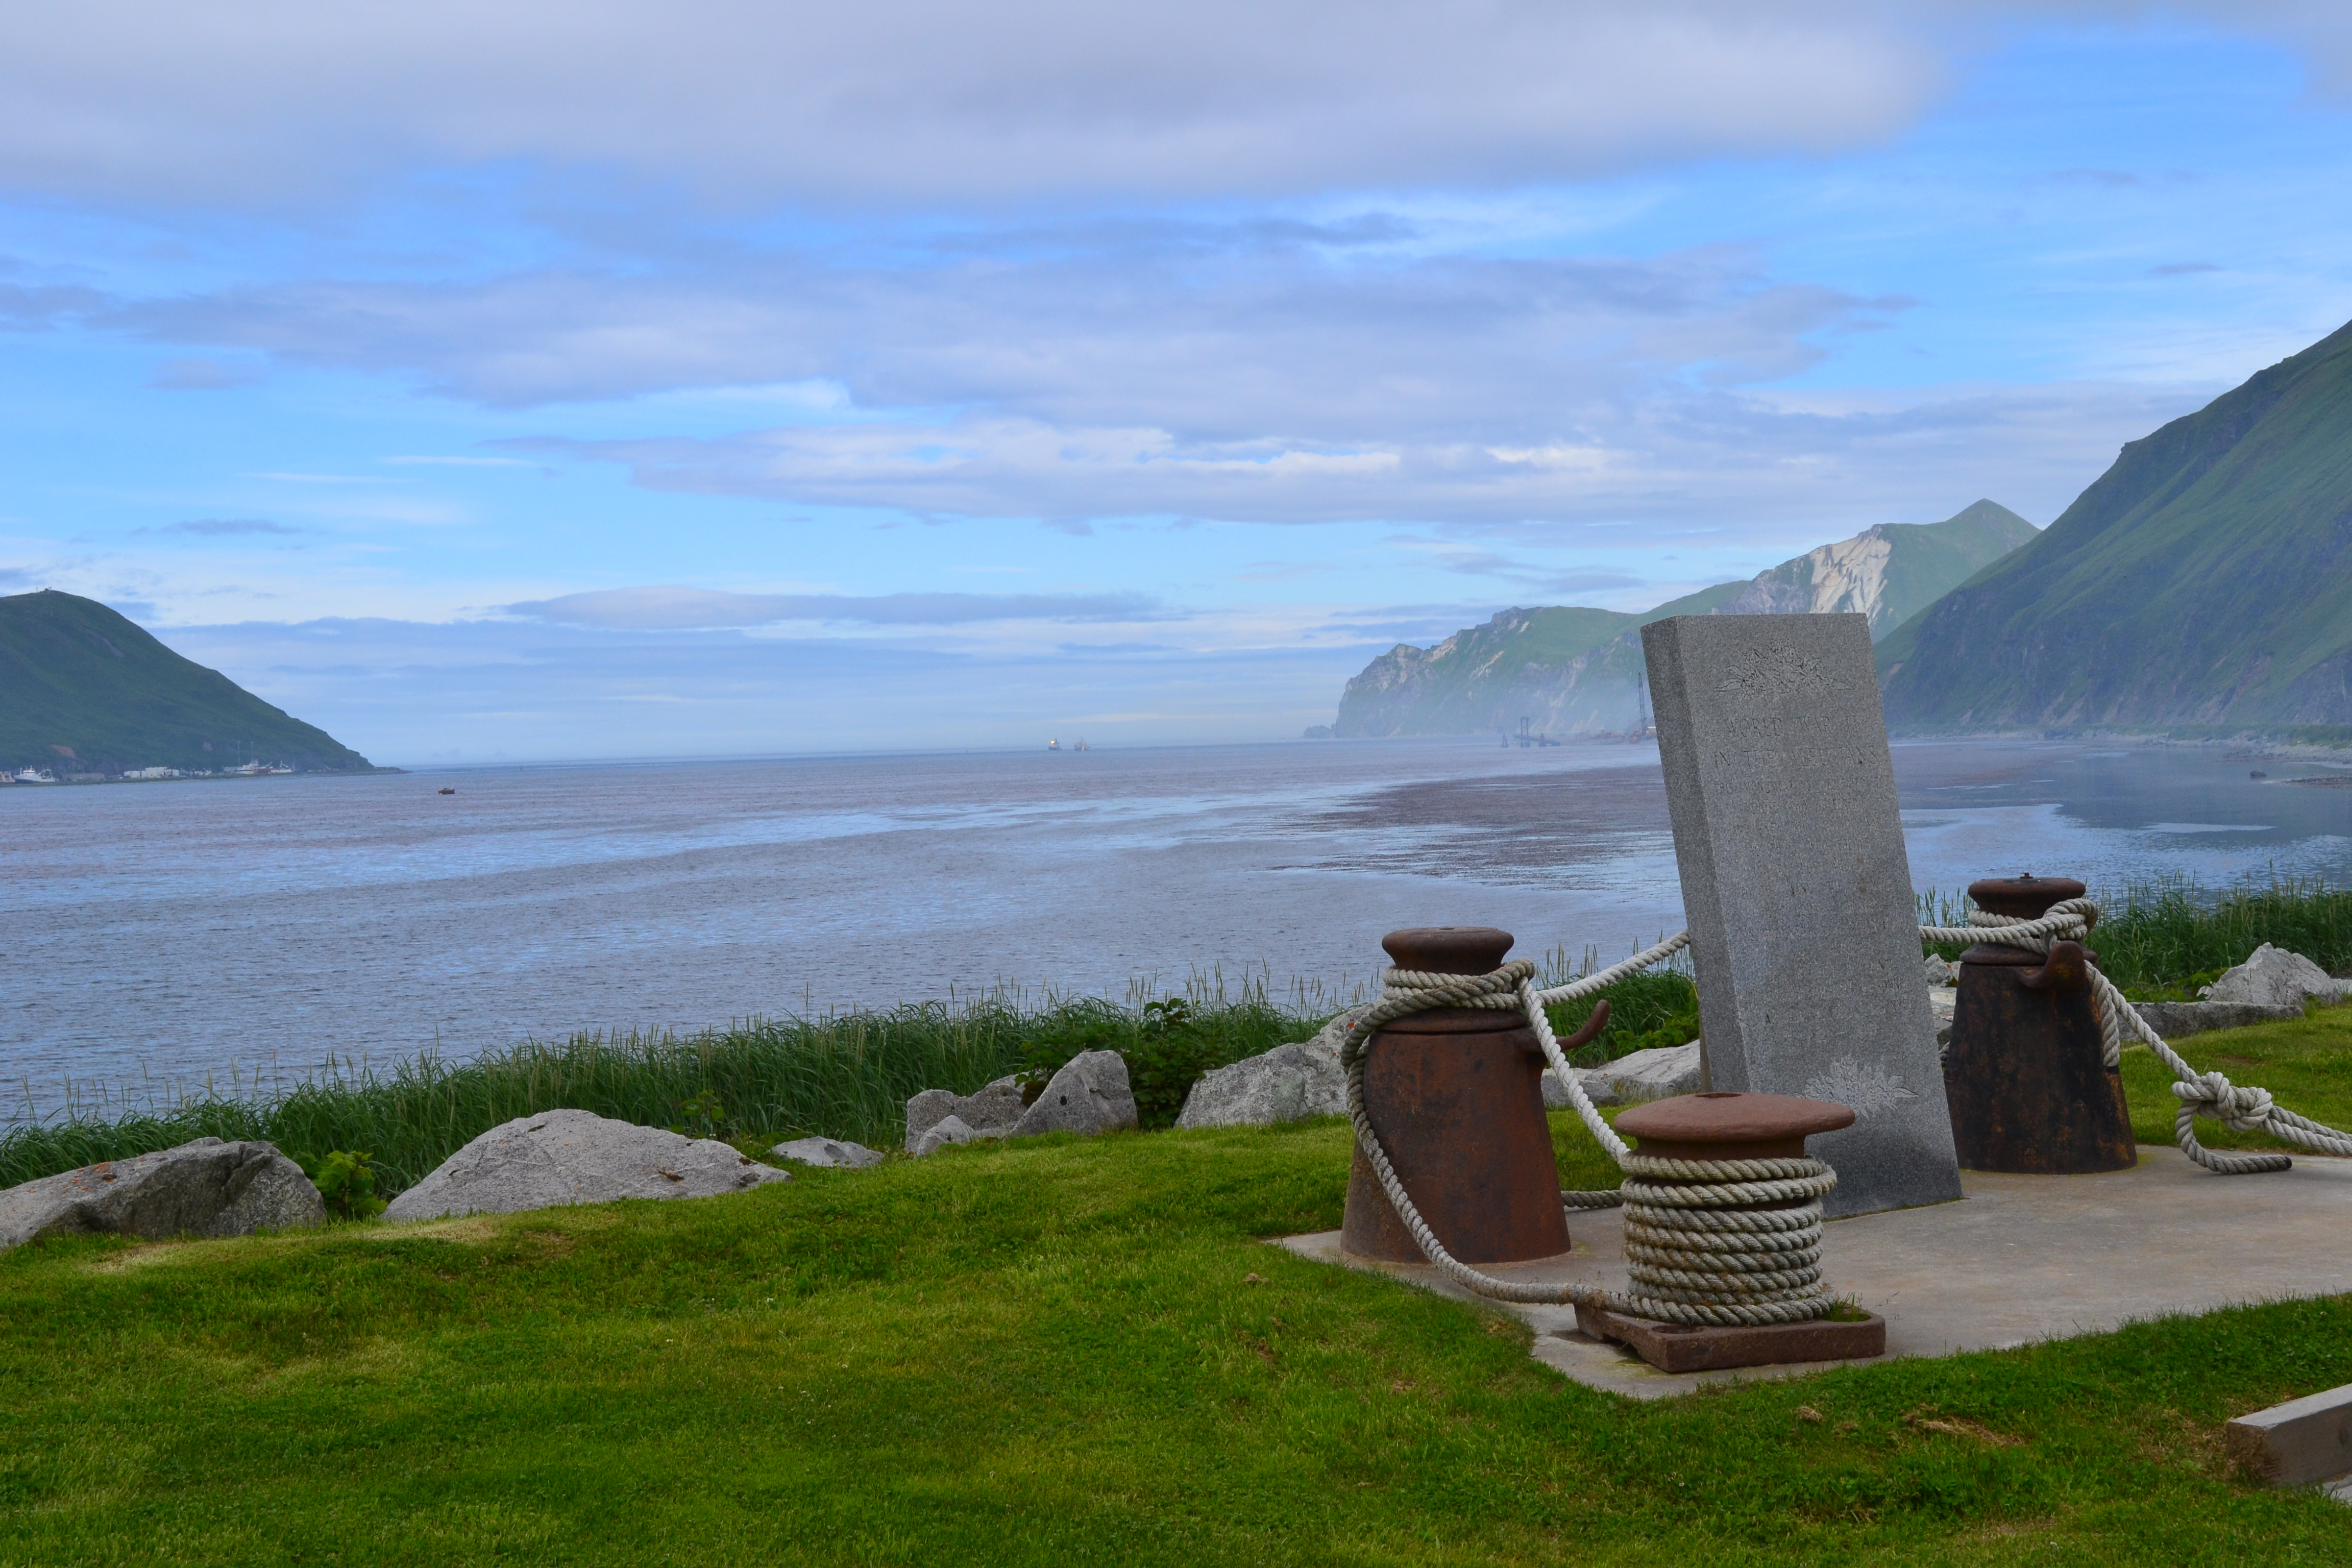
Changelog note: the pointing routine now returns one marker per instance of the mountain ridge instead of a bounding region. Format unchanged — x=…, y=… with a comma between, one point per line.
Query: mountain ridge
x=2205, y=578
x=1574, y=669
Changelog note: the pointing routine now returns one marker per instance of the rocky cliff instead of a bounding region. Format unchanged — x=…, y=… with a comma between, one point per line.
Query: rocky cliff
x=1575, y=670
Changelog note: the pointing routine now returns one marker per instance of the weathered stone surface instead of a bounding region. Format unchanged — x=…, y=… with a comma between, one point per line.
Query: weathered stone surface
x=1596, y=1089
x=205, y=1188
x=1288, y=1083
x=1798, y=888
x=1089, y=1095
x=2275, y=977
x=1658, y=1073
x=559, y=1157
x=1940, y=972
x=949, y=1129
x=828, y=1151
x=995, y=1108
x=2178, y=1020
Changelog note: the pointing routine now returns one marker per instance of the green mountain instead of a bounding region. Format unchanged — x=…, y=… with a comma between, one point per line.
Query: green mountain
x=83, y=691
x=2206, y=578
x=1572, y=671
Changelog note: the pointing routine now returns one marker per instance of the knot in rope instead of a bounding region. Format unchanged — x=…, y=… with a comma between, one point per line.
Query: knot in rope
x=2240, y=1109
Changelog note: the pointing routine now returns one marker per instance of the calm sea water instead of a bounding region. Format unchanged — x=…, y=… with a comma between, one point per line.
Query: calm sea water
x=164, y=932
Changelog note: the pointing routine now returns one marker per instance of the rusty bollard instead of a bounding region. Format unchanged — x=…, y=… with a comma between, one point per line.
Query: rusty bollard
x=1456, y=1096
x=2028, y=1090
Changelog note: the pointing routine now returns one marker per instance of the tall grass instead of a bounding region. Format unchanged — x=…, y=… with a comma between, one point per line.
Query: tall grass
x=759, y=1082
x=2167, y=936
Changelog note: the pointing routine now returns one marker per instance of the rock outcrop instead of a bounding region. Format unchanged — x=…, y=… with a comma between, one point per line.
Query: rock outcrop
x=993, y=1112
x=828, y=1151
x=561, y=1157
x=2178, y=1020
x=206, y=1188
x=2275, y=977
x=1089, y=1095
x=1288, y=1083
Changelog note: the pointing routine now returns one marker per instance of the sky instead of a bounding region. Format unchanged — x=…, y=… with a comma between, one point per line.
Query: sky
x=501, y=381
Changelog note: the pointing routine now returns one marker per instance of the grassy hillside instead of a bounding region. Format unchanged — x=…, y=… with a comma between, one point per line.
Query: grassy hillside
x=1060, y=1351
x=2206, y=578
x=83, y=690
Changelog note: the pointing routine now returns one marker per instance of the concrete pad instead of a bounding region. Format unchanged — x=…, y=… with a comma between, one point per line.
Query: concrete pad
x=2018, y=1259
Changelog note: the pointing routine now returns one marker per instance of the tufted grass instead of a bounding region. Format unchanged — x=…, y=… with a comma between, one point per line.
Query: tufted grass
x=1050, y=1352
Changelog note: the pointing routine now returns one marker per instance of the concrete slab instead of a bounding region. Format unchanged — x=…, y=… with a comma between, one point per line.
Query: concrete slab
x=2020, y=1259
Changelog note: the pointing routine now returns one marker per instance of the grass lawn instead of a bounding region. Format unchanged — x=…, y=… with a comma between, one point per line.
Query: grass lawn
x=1057, y=1350
x=2305, y=1065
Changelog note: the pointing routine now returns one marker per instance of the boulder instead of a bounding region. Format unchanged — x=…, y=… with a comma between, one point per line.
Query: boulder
x=996, y=1109
x=1089, y=1095
x=2275, y=977
x=950, y=1130
x=1941, y=1001
x=1288, y=1083
x=1596, y=1089
x=1658, y=1073
x=205, y=1188
x=1941, y=971
x=2178, y=1020
x=561, y=1157
x=827, y=1152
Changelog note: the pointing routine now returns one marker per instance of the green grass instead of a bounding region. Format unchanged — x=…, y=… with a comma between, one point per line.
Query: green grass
x=1051, y=1351
x=2305, y=1065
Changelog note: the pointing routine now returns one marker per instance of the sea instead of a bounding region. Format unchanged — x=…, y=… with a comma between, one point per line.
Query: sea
x=172, y=937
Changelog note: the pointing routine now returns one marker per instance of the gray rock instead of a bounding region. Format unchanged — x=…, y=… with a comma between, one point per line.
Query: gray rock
x=1089, y=1095
x=205, y=1188
x=2178, y=1020
x=1658, y=1073
x=1596, y=1089
x=828, y=1151
x=1941, y=1000
x=561, y=1157
x=1942, y=973
x=949, y=1129
x=2275, y=977
x=1288, y=1083
x=1804, y=936
x=995, y=1108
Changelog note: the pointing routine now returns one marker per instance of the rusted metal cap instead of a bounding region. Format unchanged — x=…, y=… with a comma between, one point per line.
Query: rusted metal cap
x=1724, y=1126
x=2024, y=898
x=1448, y=950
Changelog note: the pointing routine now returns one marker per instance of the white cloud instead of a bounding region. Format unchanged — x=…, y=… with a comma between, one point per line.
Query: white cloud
x=671, y=609
x=925, y=101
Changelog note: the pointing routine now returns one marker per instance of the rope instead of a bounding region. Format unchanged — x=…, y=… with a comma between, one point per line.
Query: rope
x=1695, y=1250
x=1695, y=1255
x=2242, y=1109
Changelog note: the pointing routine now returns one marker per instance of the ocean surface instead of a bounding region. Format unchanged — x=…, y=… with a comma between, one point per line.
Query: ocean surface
x=176, y=933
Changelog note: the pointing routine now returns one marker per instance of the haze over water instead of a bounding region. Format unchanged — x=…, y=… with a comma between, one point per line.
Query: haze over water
x=164, y=932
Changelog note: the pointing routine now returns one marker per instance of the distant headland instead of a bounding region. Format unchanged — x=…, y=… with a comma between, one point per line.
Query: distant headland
x=86, y=695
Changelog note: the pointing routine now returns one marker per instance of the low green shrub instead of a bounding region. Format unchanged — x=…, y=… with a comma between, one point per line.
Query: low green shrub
x=346, y=1181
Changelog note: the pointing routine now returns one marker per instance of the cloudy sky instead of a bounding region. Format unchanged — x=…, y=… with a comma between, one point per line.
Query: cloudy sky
x=502, y=379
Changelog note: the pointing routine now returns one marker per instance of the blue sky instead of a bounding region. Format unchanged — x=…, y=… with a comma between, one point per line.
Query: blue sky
x=514, y=381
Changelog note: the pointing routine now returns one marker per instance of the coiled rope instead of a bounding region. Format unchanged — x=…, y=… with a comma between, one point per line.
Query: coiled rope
x=1695, y=1251
x=2242, y=1109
